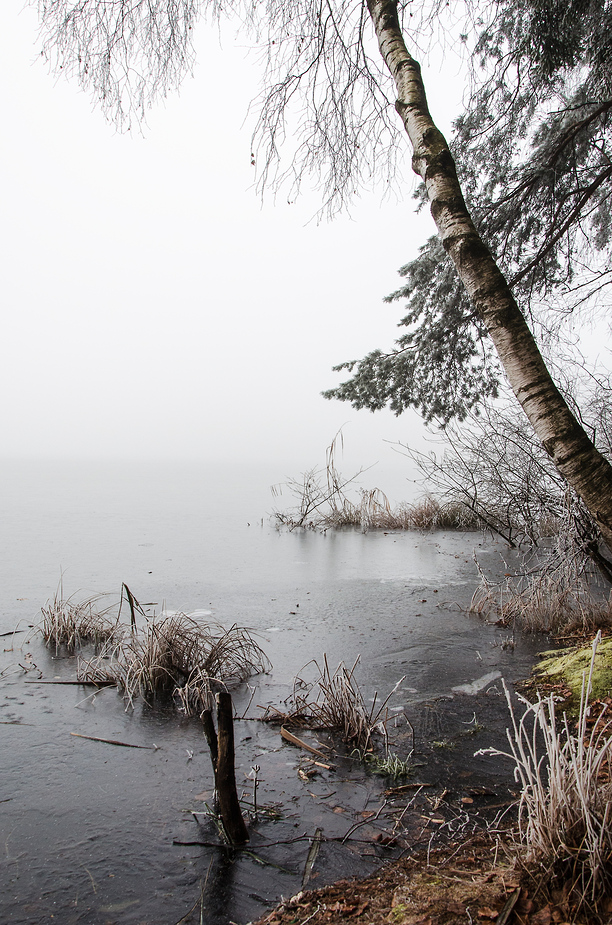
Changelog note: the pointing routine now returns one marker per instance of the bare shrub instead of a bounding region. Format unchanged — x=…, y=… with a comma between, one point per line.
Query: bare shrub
x=495, y=469
x=566, y=793
x=178, y=655
x=322, y=500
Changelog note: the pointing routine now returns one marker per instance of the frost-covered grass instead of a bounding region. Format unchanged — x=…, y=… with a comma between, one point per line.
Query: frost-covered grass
x=566, y=792
x=323, y=499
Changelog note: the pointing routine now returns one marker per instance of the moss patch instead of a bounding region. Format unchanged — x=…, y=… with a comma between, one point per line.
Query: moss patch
x=567, y=667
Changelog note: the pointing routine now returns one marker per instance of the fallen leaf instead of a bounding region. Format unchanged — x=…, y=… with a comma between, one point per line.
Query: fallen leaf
x=487, y=913
x=524, y=905
x=543, y=917
x=342, y=908
x=511, y=884
x=457, y=908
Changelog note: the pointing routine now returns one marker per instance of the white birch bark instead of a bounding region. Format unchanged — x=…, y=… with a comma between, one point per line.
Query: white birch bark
x=570, y=448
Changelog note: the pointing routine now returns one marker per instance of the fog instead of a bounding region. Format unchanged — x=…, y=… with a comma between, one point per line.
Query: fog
x=154, y=306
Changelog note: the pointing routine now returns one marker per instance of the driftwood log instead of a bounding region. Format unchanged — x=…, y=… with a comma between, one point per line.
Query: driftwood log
x=221, y=745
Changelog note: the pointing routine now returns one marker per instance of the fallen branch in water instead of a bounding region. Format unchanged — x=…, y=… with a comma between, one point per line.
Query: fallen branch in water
x=294, y=740
x=315, y=844
x=414, y=785
x=272, y=844
x=216, y=844
x=320, y=764
x=79, y=735
x=99, y=683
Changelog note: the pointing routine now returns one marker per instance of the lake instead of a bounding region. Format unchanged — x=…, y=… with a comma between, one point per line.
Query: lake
x=89, y=830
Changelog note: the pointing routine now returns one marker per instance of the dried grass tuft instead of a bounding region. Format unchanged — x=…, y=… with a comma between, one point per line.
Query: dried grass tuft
x=335, y=702
x=178, y=655
x=71, y=623
x=430, y=514
x=557, y=593
x=566, y=793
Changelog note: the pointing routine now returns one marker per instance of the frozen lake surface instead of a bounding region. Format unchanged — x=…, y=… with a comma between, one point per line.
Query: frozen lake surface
x=88, y=829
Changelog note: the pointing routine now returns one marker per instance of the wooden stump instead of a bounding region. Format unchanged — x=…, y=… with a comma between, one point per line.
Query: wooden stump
x=221, y=745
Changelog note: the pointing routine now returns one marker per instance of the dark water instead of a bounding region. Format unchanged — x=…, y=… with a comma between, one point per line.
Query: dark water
x=89, y=830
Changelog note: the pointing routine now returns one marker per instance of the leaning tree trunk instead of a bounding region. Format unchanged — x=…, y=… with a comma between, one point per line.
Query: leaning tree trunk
x=573, y=453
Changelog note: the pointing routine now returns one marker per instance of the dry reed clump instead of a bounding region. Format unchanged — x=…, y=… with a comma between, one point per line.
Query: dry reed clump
x=71, y=623
x=566, y=795
x=323, y=503
x=325, y=508
x=178, y=655
x=335, y=702
x=430, y=514
x=558, y=596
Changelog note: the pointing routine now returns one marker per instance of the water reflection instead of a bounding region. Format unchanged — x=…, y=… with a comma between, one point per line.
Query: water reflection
x=218, y=892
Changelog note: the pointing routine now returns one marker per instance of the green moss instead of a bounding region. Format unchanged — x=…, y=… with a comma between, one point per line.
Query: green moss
x=568, y=666
x=399, y=912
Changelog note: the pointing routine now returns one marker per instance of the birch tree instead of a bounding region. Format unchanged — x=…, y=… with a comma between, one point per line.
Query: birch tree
x=533, y=150
x=333, y=73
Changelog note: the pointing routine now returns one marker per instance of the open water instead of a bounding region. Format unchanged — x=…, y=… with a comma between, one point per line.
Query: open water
x=92, y=833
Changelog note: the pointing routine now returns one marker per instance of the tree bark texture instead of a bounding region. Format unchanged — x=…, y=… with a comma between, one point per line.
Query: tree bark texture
x=573, y=453
x=221, y=746
x=211, y=737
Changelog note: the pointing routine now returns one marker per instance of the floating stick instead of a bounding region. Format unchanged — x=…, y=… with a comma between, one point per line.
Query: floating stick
x=79, y=735
x=289, y=737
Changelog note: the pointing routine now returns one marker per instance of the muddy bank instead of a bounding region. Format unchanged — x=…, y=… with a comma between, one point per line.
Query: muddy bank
x=479, y=879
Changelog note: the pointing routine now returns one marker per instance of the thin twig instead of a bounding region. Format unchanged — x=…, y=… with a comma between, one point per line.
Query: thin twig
x=114, y=741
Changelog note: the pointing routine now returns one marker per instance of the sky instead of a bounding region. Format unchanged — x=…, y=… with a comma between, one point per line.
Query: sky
x=153, y=306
